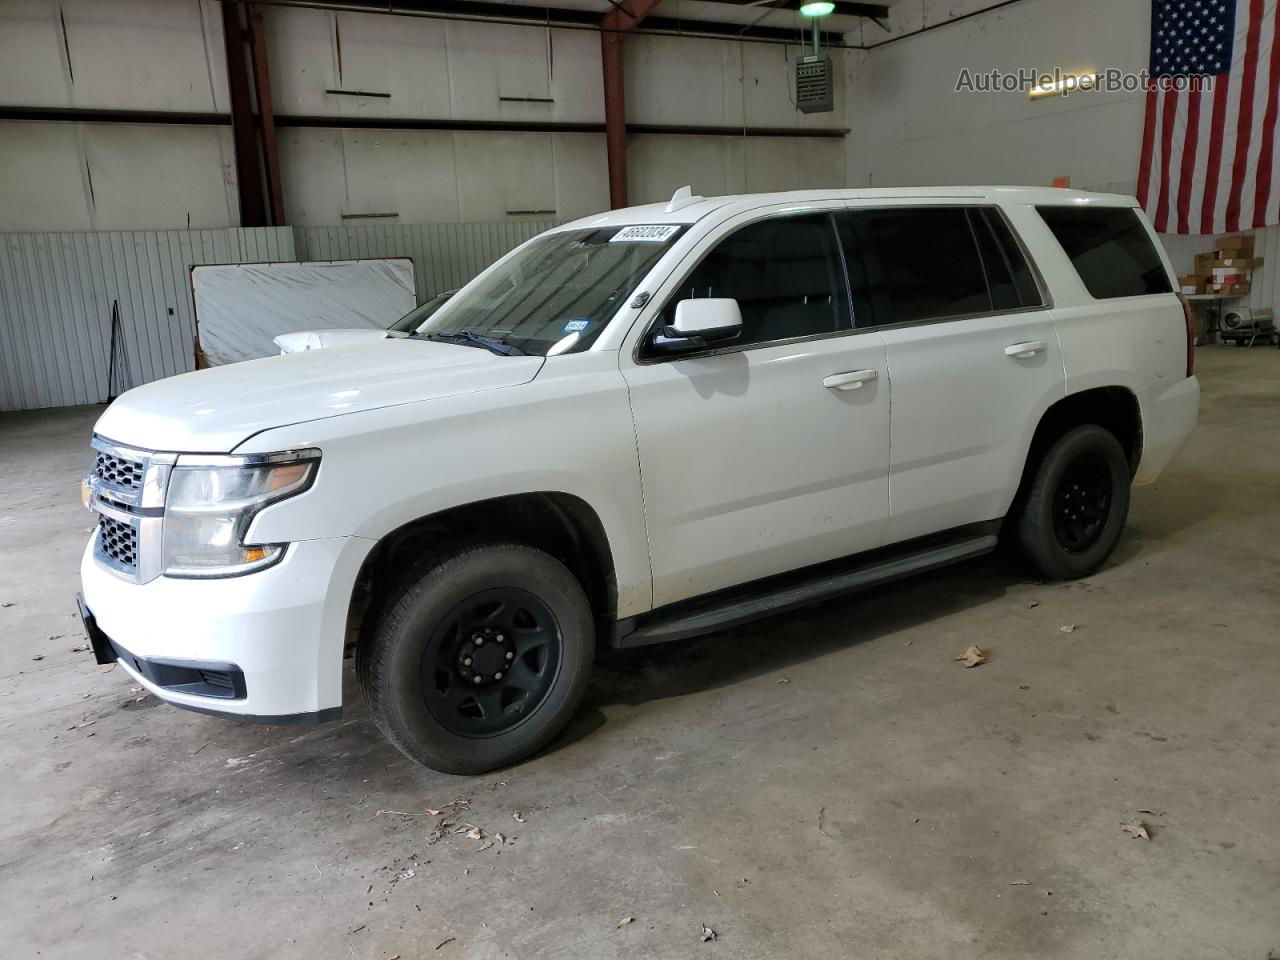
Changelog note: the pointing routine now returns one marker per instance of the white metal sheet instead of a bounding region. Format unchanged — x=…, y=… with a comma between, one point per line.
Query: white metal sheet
x=241, y=307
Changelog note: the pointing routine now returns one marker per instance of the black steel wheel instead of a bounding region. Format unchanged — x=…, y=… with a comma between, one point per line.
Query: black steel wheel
x=1082, y=503
x=491, y=662
x=1076, y=505
x=480, y=660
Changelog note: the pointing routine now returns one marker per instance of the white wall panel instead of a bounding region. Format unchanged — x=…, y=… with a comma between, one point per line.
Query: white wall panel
x=911, y=127
x=126, y=54
x=73, y=176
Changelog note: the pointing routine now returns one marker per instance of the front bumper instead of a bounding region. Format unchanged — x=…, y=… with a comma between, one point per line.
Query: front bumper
x=266, y=646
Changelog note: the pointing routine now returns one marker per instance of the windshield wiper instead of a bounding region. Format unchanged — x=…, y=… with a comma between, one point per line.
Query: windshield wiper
x=467, y=338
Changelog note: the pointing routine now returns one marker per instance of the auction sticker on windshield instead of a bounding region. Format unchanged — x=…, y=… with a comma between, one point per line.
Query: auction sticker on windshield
x=645, y=233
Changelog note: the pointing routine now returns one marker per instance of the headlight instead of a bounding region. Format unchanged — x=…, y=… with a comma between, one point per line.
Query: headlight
x=211, y=502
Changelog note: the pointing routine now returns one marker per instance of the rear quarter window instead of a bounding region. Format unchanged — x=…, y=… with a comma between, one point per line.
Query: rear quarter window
x=1110, y=249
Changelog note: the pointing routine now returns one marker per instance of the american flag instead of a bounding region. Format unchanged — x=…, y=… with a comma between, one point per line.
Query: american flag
x=1210, y=162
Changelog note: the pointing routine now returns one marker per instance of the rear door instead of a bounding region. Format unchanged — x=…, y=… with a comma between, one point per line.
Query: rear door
x=973, y=357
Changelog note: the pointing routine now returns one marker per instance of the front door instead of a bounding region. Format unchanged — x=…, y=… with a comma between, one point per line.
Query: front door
x=770, y=452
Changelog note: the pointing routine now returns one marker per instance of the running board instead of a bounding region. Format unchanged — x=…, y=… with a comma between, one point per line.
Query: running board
x=764, y=601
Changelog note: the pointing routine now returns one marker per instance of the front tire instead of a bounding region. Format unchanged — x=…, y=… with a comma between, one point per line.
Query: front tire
x=480, y=661
x=1077, y=504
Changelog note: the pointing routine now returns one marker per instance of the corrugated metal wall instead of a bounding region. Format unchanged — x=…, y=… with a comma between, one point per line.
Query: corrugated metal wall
x=445, y=255
x=56, y=291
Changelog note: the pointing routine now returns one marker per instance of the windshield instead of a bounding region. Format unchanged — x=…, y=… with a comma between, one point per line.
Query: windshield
x=556, y=293
x=420, y=314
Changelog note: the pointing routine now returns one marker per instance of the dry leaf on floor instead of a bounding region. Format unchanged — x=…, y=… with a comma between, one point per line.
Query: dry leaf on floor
x=475, y=833
x=972, y=657
x=1019, y=883
x=1068, y=628
x=784, y=680
x=1032, y=604
x=708, y=934
x=1136, y=828
x=7, y=603
x=517, y=816
x=501, y=838
x=625, y=921
x=80, y=649
x=38, y=656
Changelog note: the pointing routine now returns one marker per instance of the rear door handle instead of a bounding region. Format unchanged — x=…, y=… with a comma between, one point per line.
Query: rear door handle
x=1025, y=351
x=851, y=380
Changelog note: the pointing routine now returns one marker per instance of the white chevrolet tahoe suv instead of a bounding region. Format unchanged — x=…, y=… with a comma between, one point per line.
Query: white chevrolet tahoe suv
x=645, y=425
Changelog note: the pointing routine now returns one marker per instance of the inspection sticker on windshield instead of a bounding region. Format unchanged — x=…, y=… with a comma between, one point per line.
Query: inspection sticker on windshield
x=654, y=233
x=576, y=326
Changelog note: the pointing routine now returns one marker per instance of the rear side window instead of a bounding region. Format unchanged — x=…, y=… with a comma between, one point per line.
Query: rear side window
x=1111, y=250
x=926, y=263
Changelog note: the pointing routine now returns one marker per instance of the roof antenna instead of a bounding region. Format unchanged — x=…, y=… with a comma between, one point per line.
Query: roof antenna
x=682, y=198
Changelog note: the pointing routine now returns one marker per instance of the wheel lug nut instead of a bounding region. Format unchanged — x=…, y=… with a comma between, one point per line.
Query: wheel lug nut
x=498, y=675
x=479, y=641
x=510, y=655
x=466, y=661
x=499, y=638
x=477, y=679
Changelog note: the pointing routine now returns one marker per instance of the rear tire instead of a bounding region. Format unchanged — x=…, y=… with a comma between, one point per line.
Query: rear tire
x=481, y=660
x=1076, y=506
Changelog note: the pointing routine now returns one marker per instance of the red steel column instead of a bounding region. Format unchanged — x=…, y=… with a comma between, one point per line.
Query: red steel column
x=612, y=31
x=253, y=208
x=266, y=113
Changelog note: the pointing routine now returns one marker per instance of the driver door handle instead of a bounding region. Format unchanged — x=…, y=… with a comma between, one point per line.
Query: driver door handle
x=850, y=380
x=1025, y=351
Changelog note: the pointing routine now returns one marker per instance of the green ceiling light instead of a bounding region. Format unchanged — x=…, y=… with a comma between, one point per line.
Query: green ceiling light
x=817, y=8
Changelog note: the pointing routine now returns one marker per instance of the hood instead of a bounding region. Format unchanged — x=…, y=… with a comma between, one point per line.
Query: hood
x=212, y=411
x=316, y=339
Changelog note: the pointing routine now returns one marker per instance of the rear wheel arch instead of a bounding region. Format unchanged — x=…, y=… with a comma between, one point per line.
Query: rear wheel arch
x=1115, y=409
x=561, y=524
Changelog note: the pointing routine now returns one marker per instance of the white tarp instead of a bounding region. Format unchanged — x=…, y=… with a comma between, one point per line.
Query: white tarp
x=240, y=308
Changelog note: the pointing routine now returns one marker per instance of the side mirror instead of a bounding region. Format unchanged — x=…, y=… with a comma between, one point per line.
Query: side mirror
x=699, y=323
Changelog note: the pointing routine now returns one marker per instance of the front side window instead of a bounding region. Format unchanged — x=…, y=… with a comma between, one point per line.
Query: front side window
x=785, y=273
x=557, y=293
x=1110, y=249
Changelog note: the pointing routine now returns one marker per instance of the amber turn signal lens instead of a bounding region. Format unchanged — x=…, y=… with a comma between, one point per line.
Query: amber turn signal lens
x=86, y=495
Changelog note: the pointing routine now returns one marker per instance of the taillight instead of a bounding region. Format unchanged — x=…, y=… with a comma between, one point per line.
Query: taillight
x=1190, y=317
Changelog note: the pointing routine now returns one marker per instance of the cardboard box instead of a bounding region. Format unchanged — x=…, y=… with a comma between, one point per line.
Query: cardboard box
x=1192, y=284
x=1240, y=263
x=1229, y=289
x=1239, y=241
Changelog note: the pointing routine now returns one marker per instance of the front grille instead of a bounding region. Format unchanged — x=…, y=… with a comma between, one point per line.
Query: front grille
x=118, y=471
x=118, y=542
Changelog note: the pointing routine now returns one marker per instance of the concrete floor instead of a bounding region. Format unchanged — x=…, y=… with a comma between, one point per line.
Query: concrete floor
x=826, y=784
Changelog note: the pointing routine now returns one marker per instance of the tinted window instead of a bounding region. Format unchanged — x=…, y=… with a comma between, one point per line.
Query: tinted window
x=1111, y=250
x=1012, y=284
x=918, y=264
x=785, y=274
